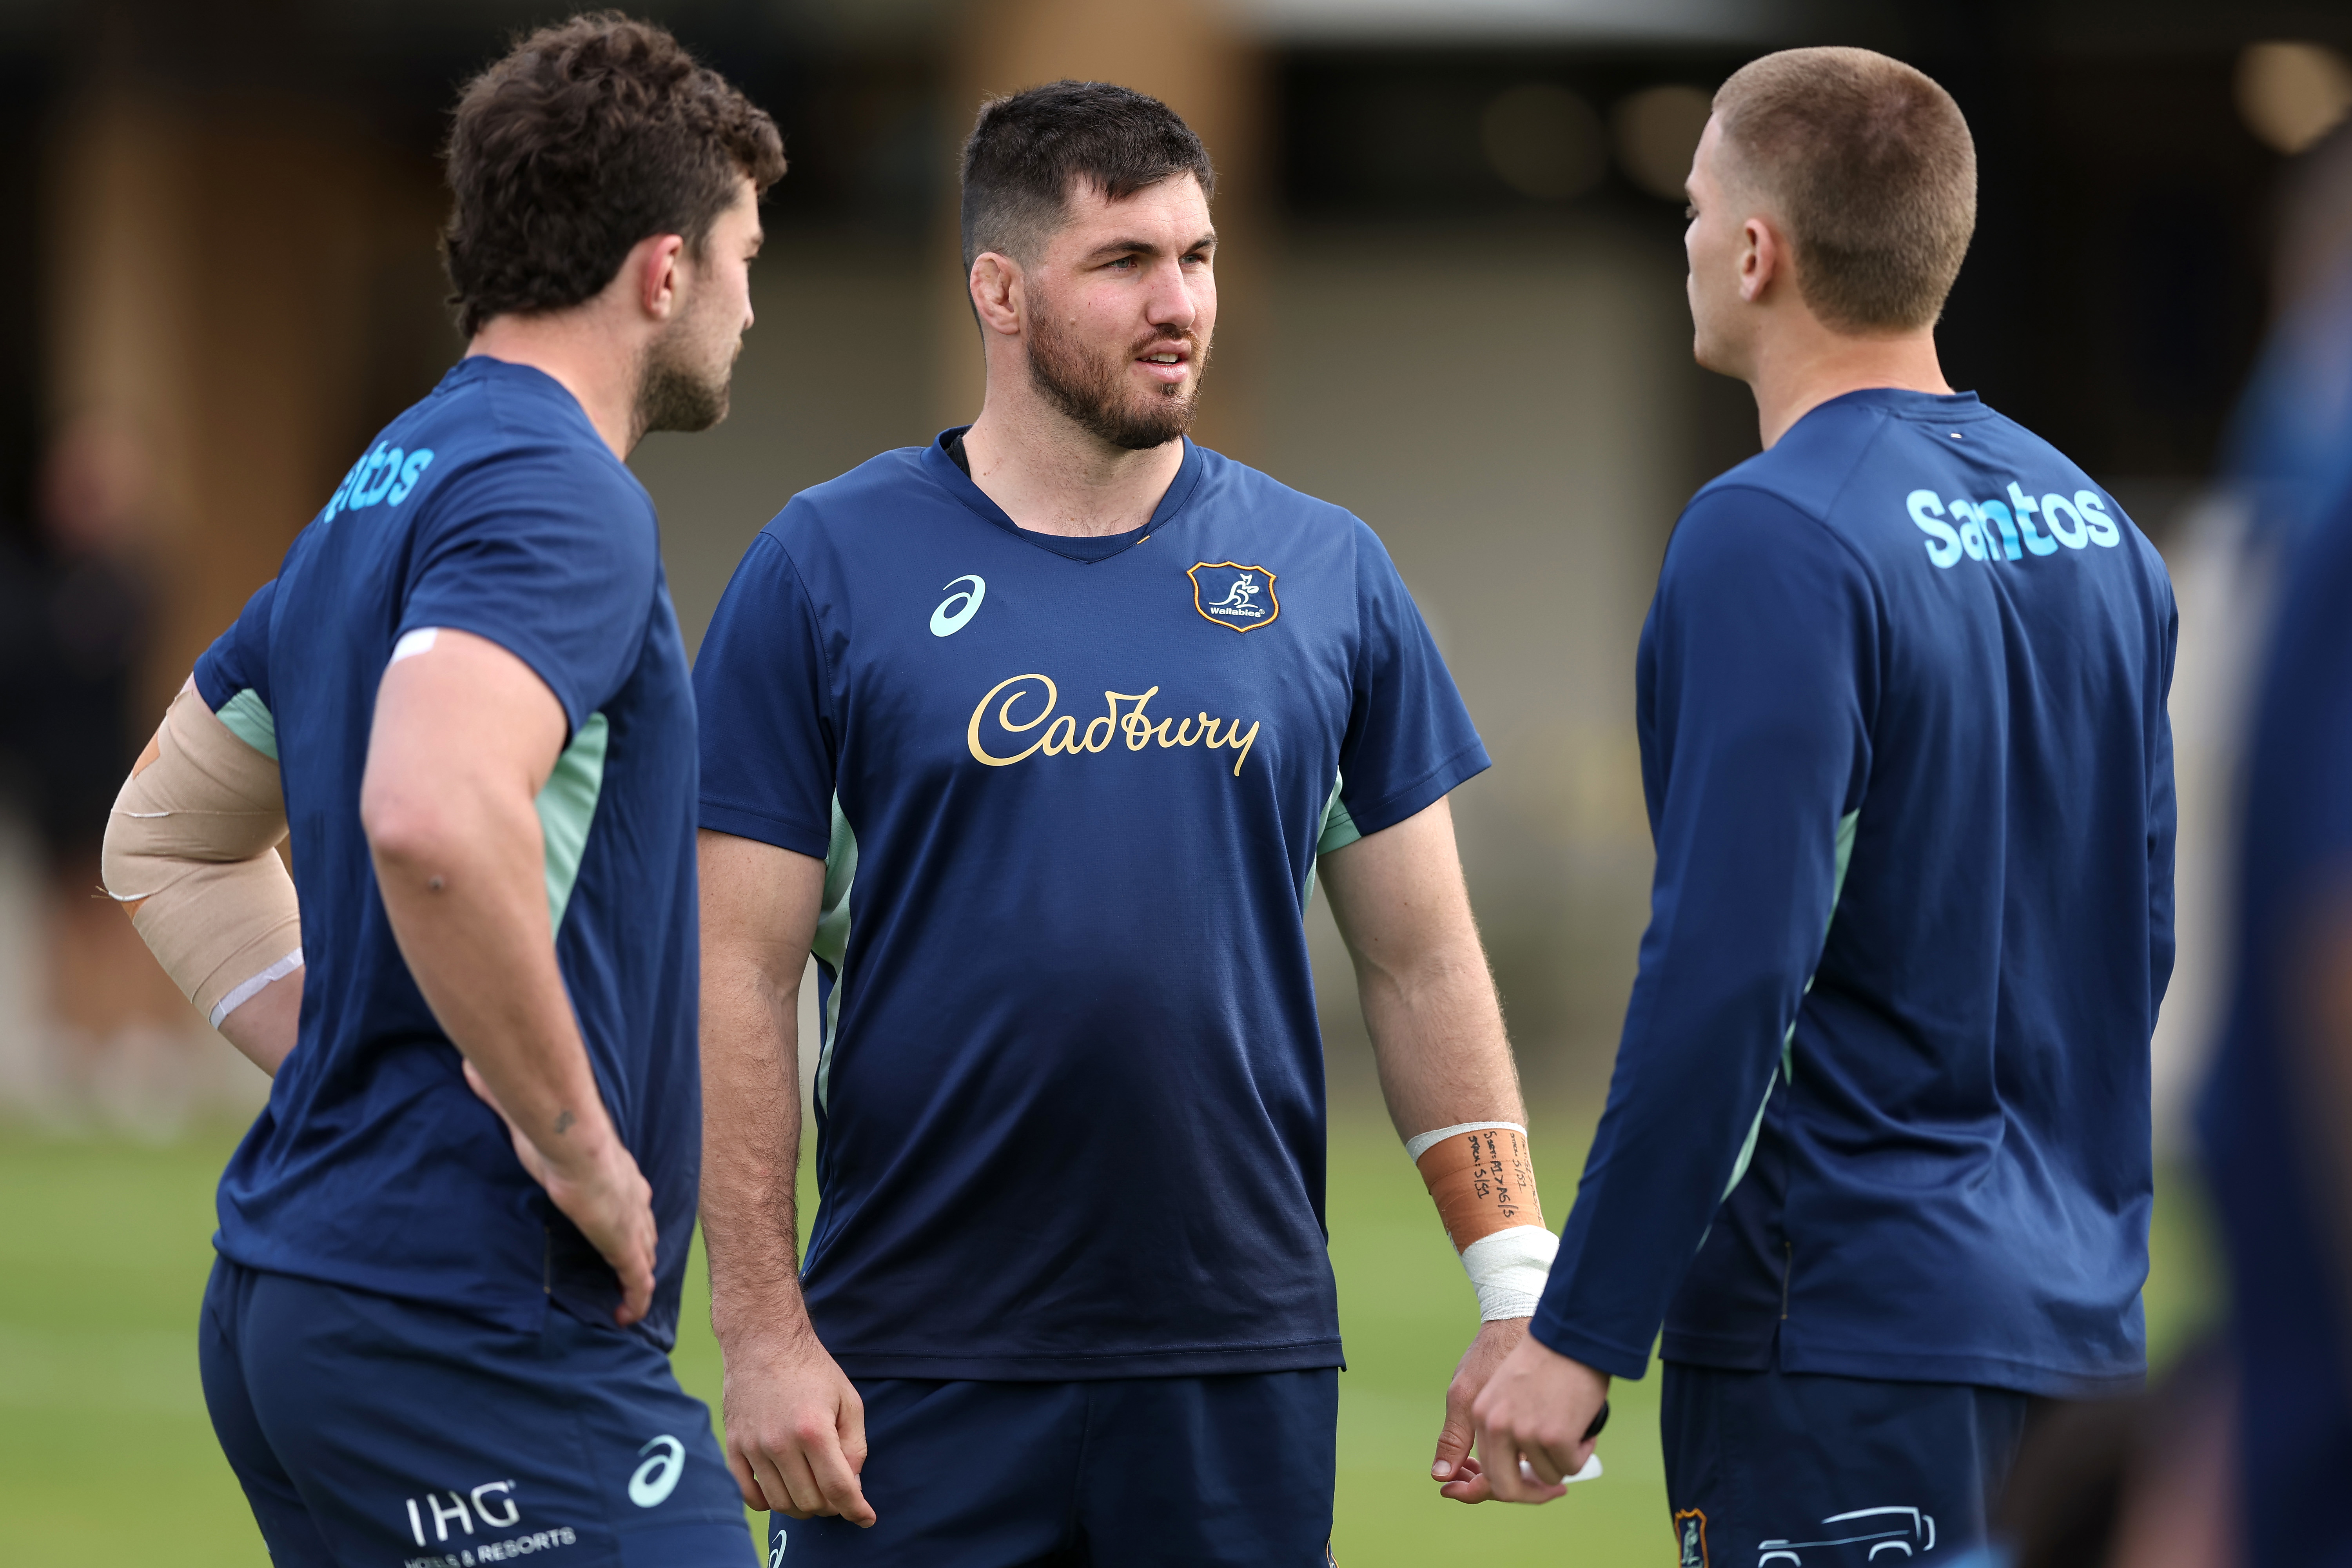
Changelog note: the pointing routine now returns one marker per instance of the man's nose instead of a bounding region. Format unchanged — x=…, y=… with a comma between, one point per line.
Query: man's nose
x=1171, y=303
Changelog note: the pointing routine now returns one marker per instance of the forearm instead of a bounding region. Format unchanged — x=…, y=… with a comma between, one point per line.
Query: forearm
x=1438, y=1040
x=1696, y=1062
x=1445, y=1062
x=263, y=1027
x=463, y=887
x=751, y=1148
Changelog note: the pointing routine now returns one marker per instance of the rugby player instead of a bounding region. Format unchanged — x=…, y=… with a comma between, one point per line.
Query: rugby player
x=433, y=1336
x=1036, y=736
x=1877, y=1149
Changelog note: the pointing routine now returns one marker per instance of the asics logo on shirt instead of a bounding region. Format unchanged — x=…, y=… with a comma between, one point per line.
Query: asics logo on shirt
x=1063, y=736
x=956, y=611
x=2004, y=528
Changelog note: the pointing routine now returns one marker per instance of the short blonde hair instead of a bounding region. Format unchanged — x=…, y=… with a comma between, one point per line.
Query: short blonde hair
x=1871, y=165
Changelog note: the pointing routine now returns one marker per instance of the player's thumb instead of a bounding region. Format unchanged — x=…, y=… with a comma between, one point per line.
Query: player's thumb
x=852, y=1425
x=1454, y=1438
x=635, y=1267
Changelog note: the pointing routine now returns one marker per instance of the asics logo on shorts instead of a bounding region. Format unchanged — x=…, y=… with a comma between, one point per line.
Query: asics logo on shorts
x=658, y=1477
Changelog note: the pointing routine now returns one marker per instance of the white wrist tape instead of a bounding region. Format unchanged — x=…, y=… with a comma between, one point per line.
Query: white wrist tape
x=191, y=848
x=1508, y=1269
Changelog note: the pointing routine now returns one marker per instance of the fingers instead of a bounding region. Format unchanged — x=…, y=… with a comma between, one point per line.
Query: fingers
x=747, y=1480
x=835, y=1481
x=1517, y=1470
x=775, y=1477
x=799, y=1449
x=635, y=1266
x=1454, y=1437
x=1469, y=1484
x=636, y=1289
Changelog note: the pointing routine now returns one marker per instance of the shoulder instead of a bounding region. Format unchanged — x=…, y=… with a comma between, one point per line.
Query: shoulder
x=1225, y=482
x=521, y=459
x=843, y=508
x=1809, y=468
x=1734, y=537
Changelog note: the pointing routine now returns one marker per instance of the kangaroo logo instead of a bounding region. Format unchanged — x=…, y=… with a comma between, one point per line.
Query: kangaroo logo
x=1690, y=1535
x=1233, y=595
x=1239, y=595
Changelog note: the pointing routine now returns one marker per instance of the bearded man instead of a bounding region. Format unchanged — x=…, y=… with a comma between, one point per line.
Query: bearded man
x=433, y=1336
x=1035, y=736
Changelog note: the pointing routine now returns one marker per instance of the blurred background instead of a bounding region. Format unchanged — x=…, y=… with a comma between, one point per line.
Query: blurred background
x=1452, y=301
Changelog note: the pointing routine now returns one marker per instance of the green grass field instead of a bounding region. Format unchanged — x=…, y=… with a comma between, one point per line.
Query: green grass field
x=106, y=1455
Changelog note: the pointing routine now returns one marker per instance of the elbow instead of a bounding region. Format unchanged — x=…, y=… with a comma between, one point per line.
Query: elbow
x=407, y=830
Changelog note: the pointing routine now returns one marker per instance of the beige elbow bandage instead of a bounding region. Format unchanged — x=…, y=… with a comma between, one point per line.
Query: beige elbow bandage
x=1485, y=1186
x=192, y=852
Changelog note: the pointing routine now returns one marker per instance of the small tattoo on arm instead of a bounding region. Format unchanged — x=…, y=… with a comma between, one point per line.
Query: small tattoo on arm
x=432, y=883
x=563, y=1121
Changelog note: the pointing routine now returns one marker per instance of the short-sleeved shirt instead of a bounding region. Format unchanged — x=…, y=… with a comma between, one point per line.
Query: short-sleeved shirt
x=1069, y=793
x=1881, y=1106
x=491, y=507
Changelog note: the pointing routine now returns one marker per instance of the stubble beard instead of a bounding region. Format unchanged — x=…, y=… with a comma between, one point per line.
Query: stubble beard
x=1093, y=391
x=673, y=392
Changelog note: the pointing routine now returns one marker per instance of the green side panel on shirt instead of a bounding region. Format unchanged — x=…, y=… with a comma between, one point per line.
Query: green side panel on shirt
x=830, y=942
x=1338, y=831
x=567, y=804
x=249, y=719
x=1789, y=1041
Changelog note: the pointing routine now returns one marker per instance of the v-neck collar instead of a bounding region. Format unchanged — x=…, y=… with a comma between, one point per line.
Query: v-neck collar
x=952, y=479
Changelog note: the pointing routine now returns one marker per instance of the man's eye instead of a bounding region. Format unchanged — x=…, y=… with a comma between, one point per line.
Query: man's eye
x=1690, y=212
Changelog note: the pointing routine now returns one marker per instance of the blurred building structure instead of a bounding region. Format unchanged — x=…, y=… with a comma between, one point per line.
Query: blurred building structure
x=1451, y=297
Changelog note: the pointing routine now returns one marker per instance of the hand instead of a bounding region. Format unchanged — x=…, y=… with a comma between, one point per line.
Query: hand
x=795, y=1428
x=1536, y=1406
x=602, y=1191
x=1453, y=1465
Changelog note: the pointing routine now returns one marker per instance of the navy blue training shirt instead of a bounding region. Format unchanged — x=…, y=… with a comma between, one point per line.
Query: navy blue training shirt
x=491, y=507
x=1881, y=1105
x=2269, y=1112
x=1069, y=793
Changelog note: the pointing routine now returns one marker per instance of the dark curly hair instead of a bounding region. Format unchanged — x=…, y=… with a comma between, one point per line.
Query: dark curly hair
x=588, y=137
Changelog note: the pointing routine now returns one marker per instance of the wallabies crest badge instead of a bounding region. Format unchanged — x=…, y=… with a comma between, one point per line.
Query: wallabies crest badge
x=1690, y=1534
x=1228, y=594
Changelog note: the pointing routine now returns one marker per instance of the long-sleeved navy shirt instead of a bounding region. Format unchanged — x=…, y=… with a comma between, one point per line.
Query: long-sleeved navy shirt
x=1881, y=1106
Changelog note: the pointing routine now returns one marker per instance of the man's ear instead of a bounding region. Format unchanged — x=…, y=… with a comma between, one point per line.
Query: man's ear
x=997, y=295
x=1762, y=257
x=657, y=263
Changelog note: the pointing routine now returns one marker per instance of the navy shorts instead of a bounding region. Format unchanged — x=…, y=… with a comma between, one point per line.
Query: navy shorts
x=1773, y=1470
x=1123, y=1473
x=375, y=1432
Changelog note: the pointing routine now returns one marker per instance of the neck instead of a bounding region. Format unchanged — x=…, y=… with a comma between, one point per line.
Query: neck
x=598, y=366
x=1796, y=372
x=1052, y=477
